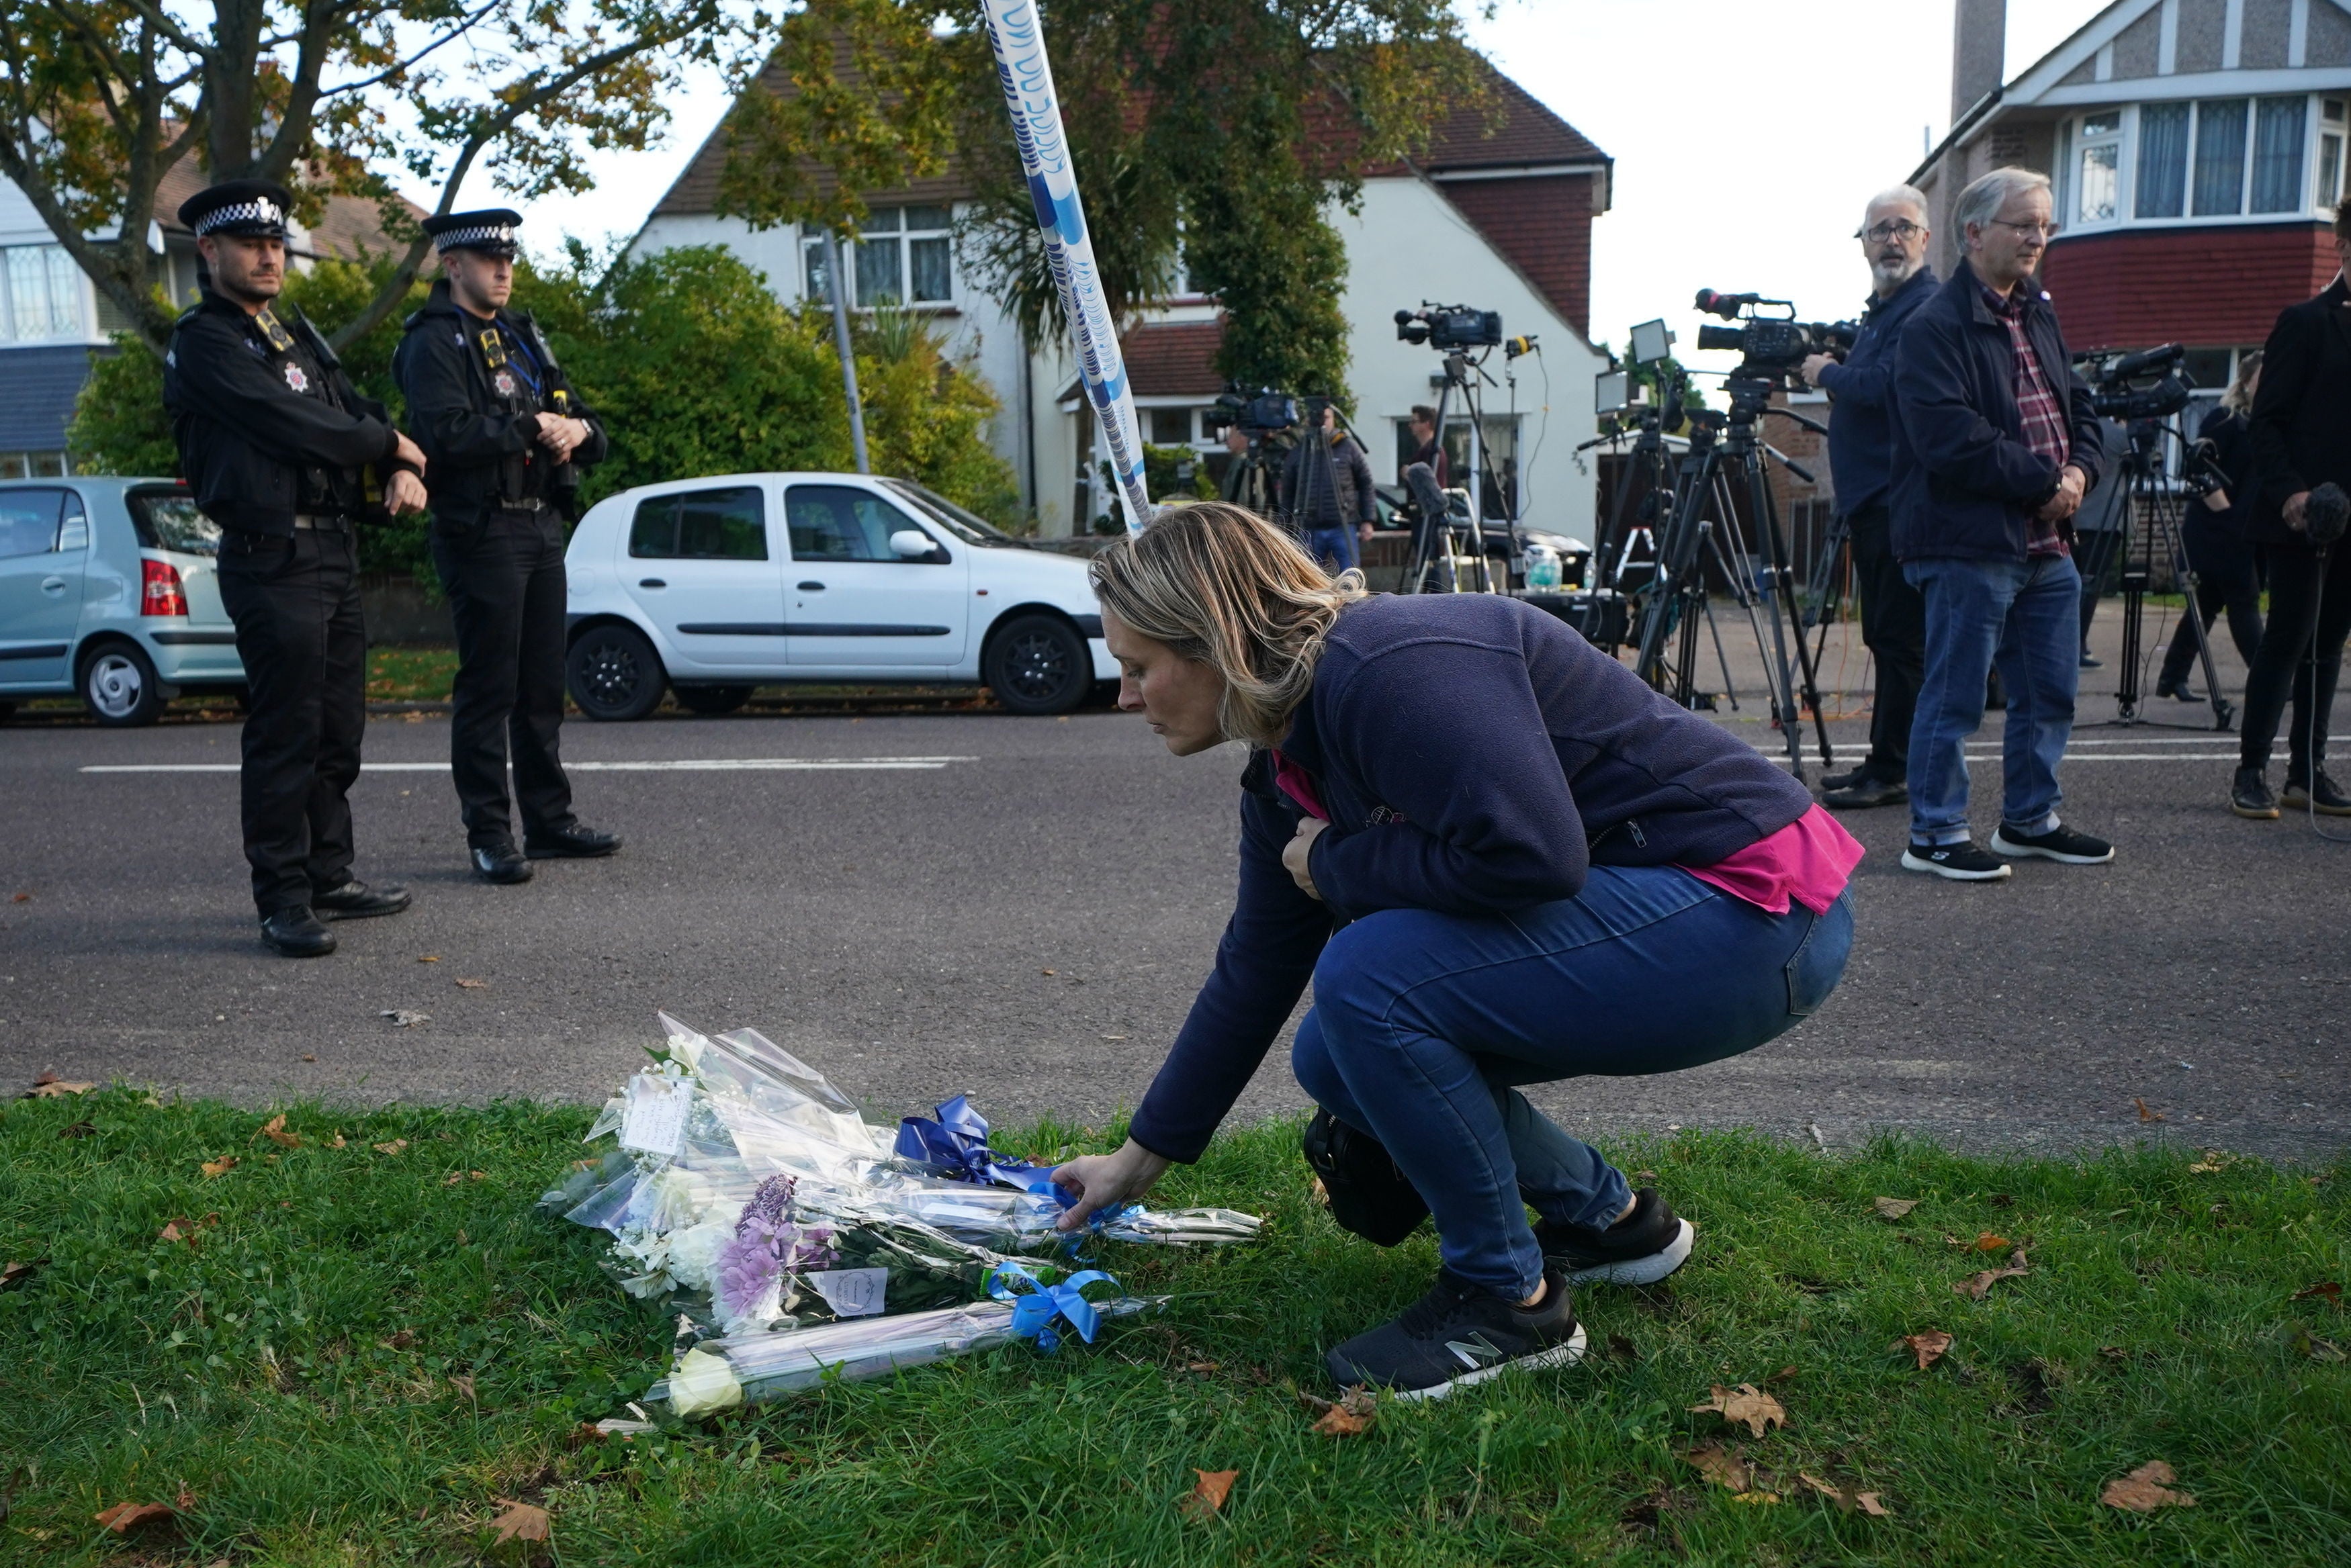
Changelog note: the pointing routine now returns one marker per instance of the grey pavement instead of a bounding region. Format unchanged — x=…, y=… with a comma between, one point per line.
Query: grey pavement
x=1023, y=908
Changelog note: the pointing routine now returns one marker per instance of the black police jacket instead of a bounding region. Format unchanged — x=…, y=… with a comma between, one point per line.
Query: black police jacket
x=474, y=410
x=267, y=423
x=2302, y=412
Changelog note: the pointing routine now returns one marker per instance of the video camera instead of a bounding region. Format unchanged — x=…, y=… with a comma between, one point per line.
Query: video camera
x=1772, y=345
x=1452, y=327
x=2113, y=378
x=1263, y=412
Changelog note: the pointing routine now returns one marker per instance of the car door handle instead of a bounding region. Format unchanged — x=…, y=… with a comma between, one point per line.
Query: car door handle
x=811, y=587
x=53, y=585
x=650, y=583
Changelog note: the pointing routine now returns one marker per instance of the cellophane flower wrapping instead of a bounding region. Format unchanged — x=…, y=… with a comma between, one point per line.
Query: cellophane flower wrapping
x=748, y=1193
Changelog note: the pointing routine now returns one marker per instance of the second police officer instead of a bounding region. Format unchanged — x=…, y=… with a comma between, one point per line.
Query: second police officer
x=286, y=457
x=507, y=437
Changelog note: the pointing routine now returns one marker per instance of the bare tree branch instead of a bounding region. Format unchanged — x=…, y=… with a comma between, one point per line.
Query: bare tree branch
x=459, y=31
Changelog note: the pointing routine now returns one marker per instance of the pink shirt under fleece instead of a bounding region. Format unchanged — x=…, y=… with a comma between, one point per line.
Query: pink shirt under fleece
x=1809, y=861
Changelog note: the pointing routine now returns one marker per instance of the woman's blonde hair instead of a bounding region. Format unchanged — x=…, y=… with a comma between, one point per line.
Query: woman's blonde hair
x=1224, y=587
x=2239, y=397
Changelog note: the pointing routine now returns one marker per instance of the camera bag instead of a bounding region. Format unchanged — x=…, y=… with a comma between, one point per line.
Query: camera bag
x=1357, y=1180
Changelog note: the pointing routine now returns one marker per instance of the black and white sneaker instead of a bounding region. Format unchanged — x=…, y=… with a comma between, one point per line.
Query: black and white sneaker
x=1641, y=1249
x=1961, y=862
x=2060, y=842
x=2321, y=796
x=1459, y=1333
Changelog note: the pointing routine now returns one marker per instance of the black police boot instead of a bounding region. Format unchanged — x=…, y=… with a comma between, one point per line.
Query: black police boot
x=572, y=843
x=501, y=863
x=2179, y=686
x=296, y=933
x=355, y=900
x=2250, y=796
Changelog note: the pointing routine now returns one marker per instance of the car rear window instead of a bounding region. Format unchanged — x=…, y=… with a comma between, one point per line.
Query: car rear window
x=169, y=520
x=701, y=525
x=29, y=520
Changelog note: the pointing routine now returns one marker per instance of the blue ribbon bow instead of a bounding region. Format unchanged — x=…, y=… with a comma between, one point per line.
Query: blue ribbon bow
x=1034, y=1309
x=955, y=1142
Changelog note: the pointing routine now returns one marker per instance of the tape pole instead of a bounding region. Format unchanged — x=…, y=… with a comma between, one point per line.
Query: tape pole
x=1015, y=35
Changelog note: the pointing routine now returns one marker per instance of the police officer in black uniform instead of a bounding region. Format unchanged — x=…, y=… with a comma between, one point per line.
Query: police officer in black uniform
x=507, y=437
x=287, y=458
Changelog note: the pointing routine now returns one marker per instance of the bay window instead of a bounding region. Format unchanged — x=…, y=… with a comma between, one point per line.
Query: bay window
x=2248, y=158
x=901, y=255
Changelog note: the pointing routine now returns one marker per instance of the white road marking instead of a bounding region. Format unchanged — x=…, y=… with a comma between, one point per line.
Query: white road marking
x=665, y=765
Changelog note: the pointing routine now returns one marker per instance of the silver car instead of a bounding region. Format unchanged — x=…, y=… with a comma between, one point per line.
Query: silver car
x=107, y=592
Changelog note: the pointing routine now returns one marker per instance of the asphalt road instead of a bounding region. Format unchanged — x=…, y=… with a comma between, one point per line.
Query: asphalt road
x=1024, y=910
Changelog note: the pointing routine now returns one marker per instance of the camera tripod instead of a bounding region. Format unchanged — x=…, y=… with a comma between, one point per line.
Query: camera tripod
x=2152, y=524
x=1724, y=462
x=1449, y=553
x=1629, y=526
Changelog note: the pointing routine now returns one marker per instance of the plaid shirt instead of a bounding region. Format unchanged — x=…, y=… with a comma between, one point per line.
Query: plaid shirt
x=2044, y=416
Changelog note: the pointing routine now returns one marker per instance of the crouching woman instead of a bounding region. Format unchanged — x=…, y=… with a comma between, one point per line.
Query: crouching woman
x=1502, y=860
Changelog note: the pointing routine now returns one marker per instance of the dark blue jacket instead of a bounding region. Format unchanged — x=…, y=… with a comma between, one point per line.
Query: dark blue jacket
x=1861, y=426
x=1475, y=757
x=1965, y=482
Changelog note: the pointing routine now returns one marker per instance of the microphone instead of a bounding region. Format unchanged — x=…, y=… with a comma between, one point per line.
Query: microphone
x=2326, y=514
x=1726, y=305
x=1421, y=480
x=2144, y=362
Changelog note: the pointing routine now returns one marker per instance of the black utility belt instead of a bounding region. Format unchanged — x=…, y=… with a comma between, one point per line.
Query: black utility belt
x=323, y=522
x=528, y=508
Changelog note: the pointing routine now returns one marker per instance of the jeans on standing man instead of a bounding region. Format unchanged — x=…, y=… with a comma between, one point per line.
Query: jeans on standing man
x=1999, y=446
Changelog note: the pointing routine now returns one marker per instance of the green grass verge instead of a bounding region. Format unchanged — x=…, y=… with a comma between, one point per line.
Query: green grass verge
x=298, y=1369
x=411, y=674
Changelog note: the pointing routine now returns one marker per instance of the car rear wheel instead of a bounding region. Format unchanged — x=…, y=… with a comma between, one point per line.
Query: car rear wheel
x=117, y=685
x=613, y=674
x=711, y=700
x=1038, y=664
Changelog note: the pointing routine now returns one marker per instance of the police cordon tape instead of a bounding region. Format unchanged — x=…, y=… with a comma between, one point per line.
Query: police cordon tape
x=1017, y=35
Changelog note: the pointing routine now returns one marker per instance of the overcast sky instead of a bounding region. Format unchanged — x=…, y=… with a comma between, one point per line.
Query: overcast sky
x=1746, y=137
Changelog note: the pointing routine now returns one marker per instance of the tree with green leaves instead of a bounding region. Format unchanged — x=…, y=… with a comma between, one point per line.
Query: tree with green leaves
x=99, y=99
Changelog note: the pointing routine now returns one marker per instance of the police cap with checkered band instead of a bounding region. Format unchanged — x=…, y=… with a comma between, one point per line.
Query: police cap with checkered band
x=252, y=209
x=490, y=231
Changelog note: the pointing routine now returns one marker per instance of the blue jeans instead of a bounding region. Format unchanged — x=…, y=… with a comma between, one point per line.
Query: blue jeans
x=1423, y=1024
x=2025, y=616
x=1335, y=547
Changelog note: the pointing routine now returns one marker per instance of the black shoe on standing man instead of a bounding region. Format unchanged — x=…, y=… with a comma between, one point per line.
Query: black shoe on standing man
x=507, y=438
x=1893, y=236
x=287, y=458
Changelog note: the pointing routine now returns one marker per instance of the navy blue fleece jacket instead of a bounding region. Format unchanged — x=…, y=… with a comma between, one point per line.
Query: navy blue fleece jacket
x=1476, y=756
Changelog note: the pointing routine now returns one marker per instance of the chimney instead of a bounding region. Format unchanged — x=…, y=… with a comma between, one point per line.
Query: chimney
x=1979, y=52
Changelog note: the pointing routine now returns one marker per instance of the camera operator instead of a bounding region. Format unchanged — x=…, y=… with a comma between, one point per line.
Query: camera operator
x=1326, y=491
x=1246, y=483
x=1893, y=237
x=2299, y=419
x=1998, y=444
x=2228, y=572
x=1426, y=448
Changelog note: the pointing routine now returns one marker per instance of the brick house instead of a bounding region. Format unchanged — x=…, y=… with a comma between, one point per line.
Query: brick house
x=53, y=319
x=1497, y=220
x=2197, y=150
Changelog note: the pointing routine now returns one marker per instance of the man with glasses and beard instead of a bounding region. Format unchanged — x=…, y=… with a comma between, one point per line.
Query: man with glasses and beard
x=2000, y=443
x=1893, y=236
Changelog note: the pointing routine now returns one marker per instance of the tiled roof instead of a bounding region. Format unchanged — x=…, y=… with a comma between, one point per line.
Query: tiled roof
x=348, y=228
x=1177, y=358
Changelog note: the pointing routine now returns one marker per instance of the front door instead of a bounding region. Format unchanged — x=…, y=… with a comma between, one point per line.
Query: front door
x=701, y=565
x=40, y=583
x=857, y=606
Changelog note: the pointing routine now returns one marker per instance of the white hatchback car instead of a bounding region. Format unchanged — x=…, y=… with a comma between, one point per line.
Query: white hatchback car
x=711, y=586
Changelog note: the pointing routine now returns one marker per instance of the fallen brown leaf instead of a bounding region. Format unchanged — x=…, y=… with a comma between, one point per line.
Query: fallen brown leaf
x=401, y=1340
x=337, y=1142
x=178, y=1230
x=463, y=1384
x=83, y=1128
x=274, y=1129
x=220, y=1167
x=2145, y=1489
x=2306, y=1343
x=49, y=1086
x=1724, y=1466
x=475, y=985
x=124, y=1518
x=1893, y=1208
x=1202, y=1368
x=1757, y=1497
x=2207, y=1167
x=394, y=1147
x=1622, y=1348
x=521, y=1521
x=457, y=1176
x=2147, y=1113
x=1048, y=971
x=1928, y=1347
x=1340, y=1422
x=13, y=1273
x=429, y=957
x=309, y=1056
x=1208, y=1493
x=1846, y=1498
x=2327, y=1289
x=1781, y=1376
x=1977, y=1286
x=1350, y=1414
x=21, y=898
x=1987, y=1242
x=1745, y=1403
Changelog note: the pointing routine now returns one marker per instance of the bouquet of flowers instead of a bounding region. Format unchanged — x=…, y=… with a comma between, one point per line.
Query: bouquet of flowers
x=748, y=1193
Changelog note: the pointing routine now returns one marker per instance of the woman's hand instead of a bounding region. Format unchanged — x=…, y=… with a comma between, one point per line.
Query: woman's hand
x=1107, y=1180
x=1294, y=855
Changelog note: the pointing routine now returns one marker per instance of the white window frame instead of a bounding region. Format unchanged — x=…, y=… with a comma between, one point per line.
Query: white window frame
x=2315, y=134
x=55, y=263
x=811, y=244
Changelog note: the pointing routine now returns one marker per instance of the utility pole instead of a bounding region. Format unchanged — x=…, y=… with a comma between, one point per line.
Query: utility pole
x=838, y=282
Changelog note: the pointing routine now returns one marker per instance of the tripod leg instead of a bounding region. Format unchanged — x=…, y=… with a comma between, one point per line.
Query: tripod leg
x=1730, y=687
x=2223, y=712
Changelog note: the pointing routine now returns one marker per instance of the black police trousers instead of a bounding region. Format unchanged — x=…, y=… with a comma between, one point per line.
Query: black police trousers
x=2301, y=657
x=505, y=581
x=296, y=603
x=1894, y=629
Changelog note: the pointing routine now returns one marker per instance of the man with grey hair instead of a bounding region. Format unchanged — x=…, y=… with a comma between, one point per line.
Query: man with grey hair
x=1893, y=236
x=1998, y=445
